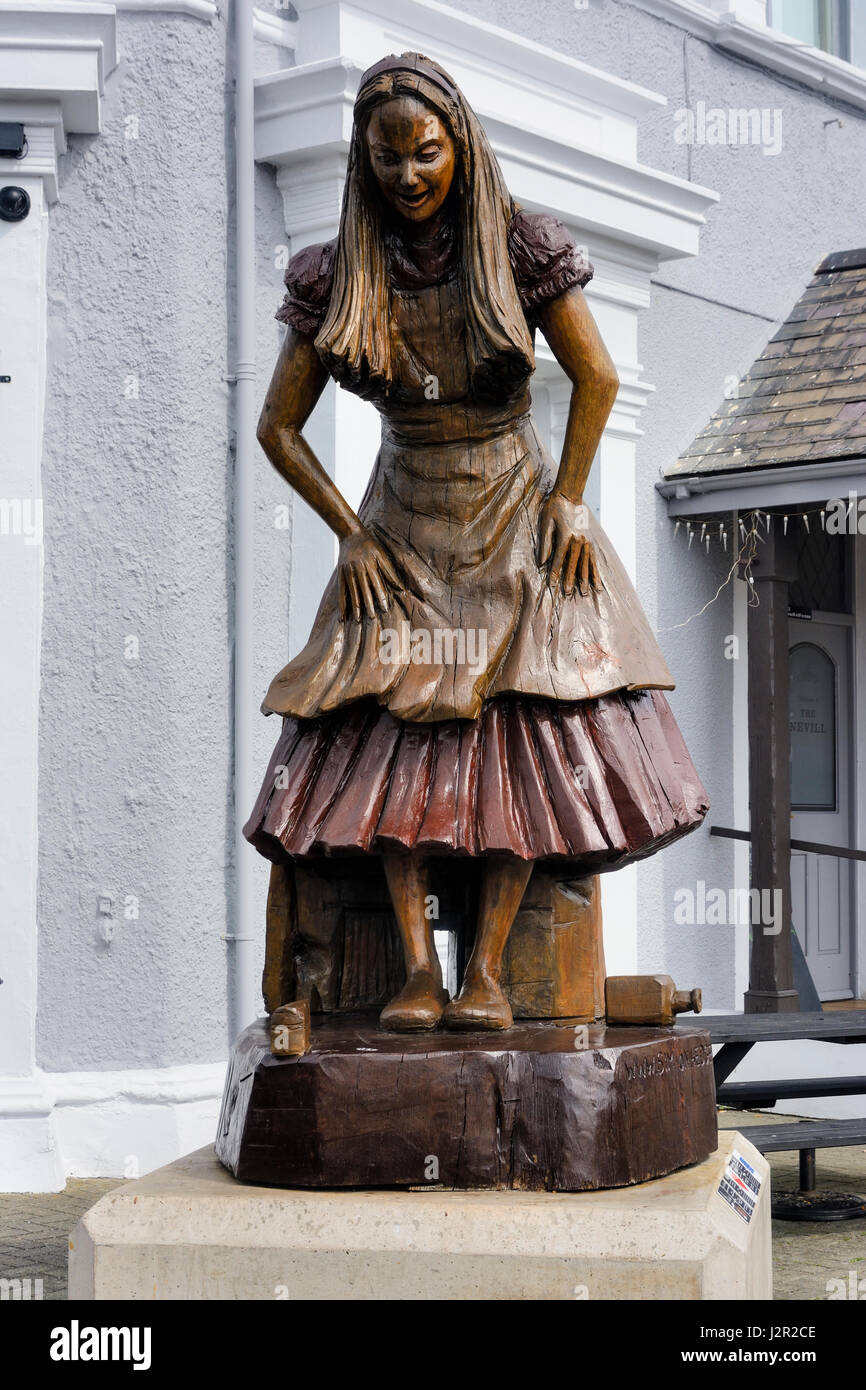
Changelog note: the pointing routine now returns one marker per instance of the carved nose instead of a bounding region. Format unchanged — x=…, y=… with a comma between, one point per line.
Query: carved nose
x=408, y=178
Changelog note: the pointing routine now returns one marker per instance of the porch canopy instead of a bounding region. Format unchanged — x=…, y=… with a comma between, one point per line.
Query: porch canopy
x=790, y=442
x=794, y=432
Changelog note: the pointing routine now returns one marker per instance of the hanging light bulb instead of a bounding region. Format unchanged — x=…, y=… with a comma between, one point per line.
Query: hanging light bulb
x=823, y=520
x=691, y=535
x=784, y=525
x=806, y=523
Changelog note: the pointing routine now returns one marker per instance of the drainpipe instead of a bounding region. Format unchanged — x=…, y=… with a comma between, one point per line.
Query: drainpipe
x=243, y=989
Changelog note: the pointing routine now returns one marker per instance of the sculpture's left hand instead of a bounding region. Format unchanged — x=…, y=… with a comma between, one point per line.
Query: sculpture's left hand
x=563, y=545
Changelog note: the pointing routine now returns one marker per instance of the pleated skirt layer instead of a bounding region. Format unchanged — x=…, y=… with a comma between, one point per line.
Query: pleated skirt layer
x=599, y=782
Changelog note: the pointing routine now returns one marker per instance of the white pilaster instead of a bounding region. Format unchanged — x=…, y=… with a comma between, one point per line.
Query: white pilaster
x=25, y=1135
x=53, y=60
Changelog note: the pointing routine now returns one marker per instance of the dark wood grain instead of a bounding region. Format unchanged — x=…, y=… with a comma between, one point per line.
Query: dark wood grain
x=549, y=1108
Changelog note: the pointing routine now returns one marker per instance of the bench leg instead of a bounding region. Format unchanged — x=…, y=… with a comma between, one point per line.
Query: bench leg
x=729, y=1056
x=807, y=1171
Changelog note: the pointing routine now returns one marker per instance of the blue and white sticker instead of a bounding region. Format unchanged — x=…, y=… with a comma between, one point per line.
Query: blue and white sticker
x=740, y=1186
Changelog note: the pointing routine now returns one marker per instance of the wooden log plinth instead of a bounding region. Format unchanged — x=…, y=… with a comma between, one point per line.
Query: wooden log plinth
x=541, y=1106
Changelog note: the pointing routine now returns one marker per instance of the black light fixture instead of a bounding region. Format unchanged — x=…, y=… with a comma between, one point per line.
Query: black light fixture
x=13, y=141
x=14, y=203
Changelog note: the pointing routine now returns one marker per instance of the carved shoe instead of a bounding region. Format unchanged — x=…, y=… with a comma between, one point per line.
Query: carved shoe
x=417, y=1008
x=480, y=1004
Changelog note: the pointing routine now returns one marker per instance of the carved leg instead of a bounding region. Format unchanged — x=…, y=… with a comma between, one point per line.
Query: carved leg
x=481, y=1003
x=420, y=1002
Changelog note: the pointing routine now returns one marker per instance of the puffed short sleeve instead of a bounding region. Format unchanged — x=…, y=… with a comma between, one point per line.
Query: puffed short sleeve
x=309, y=277
x=544, y=260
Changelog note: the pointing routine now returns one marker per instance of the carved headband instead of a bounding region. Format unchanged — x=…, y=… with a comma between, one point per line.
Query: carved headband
x=419, y=65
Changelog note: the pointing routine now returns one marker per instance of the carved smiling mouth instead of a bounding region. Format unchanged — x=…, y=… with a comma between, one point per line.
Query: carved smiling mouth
x=413, y=200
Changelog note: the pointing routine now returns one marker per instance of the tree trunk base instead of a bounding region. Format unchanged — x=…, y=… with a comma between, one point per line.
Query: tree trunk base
x=543, y=1106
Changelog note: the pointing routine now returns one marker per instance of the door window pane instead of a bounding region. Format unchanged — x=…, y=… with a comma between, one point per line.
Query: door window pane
x=822, y=569
x=812, y=711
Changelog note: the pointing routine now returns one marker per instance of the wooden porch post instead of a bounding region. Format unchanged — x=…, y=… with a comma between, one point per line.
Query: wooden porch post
x=770, y=965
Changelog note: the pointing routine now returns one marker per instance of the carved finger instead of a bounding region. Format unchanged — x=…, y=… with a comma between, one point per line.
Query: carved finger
x=352, y=585
x=545, y=546
x=569, y=569
x=556, y=563
x=380, y=593
x=585, y=560
x=389, y=577
x=594, y=576
x=388, y=571
x=366, y=593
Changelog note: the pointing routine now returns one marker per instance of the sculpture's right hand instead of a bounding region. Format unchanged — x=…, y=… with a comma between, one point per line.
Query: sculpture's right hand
x=366, y=576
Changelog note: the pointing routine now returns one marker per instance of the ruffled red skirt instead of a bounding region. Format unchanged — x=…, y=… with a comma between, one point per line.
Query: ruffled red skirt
x=597, y=782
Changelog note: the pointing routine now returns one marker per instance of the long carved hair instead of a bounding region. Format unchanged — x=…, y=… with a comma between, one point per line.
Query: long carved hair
x=354, y=341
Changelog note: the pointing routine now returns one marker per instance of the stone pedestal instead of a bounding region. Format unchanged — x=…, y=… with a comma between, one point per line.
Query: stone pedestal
x=192, y=1231
x=542, y=1106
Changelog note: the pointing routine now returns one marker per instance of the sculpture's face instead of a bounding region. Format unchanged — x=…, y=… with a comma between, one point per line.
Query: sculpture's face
x=412, y=156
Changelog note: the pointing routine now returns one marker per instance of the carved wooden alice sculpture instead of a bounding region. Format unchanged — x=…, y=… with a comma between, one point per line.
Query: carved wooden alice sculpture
x=480, y=700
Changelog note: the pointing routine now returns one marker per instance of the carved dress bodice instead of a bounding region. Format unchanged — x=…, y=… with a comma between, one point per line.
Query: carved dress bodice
x=430, y=399
x=454, y=499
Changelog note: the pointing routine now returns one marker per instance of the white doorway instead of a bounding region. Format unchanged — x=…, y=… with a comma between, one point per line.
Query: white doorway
x=821, y=746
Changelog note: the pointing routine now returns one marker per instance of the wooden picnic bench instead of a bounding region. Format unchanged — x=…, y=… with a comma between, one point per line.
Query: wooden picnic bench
x=738, y=1034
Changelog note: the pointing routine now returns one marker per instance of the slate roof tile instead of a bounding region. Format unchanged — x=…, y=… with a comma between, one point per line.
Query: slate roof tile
x=804, y=398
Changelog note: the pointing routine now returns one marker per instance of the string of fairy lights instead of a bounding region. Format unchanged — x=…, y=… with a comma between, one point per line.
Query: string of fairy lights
x=757, y=523
x=750, y=530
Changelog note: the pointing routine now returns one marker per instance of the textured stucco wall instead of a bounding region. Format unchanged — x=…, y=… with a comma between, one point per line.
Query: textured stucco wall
x=777, y=216
x=135, y=754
